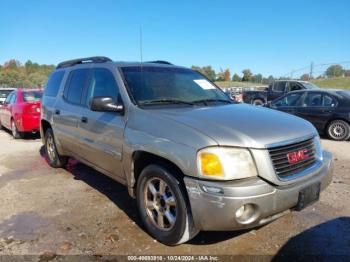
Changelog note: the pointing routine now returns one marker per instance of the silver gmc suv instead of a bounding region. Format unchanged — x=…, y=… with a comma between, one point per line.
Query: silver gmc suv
x=192, y=158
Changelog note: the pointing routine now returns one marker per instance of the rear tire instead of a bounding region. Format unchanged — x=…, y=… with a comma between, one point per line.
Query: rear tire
x=258, y=102
x=53, y=158
x=15, y=133
x=163, y=206
x=338, y=130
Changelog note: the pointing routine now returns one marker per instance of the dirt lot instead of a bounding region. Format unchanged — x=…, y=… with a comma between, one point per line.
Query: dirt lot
x=79, y=211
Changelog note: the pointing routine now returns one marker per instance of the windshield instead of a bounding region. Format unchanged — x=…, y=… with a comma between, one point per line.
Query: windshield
x=32, y=96
x=5, y=93
x=345, y=93
x=309, y=85
x=169, y=85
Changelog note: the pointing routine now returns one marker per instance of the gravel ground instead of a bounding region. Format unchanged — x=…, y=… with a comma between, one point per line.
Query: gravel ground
x=45, y=211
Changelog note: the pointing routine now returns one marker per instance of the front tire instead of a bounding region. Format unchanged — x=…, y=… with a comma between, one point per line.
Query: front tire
x=338, y=130
x=163, y=206
x=53, y=158
x=258, y=102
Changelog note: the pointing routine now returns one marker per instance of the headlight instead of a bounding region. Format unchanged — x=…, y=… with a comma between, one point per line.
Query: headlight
x=223, y=163
x=318, y=147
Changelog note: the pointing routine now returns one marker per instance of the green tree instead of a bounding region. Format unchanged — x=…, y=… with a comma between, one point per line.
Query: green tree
x=236, y=78
x=208, y=71
x=334, y=71
x=247, y=75
x=257, y=78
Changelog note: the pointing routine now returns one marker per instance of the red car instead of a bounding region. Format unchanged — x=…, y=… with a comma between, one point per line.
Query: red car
x=20, y=112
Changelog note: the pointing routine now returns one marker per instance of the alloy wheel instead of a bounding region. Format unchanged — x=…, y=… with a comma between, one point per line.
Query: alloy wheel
x=160, y=203
x=338, y=130
x=51, y=148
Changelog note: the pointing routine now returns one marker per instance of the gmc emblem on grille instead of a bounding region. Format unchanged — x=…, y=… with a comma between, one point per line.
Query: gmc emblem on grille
x=297, y=156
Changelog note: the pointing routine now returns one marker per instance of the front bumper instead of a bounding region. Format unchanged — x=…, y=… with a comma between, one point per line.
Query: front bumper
x=216, y=211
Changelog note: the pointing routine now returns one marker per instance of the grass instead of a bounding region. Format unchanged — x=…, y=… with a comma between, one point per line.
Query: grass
x=339, y=82
x=224, y=84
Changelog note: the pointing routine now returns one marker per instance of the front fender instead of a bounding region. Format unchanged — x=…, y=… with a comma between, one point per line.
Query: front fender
x=183, y=156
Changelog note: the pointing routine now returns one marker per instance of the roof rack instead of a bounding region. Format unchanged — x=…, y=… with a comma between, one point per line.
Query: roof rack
x=160, y=62
x=93, y=59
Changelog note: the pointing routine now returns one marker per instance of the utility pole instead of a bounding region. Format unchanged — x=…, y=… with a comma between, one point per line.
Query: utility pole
x=311, y=69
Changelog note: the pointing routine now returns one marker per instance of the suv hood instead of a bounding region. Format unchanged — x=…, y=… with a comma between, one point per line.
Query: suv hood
x=241, y=125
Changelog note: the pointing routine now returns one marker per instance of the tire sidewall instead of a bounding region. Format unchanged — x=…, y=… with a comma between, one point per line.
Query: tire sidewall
x=52, y=162
x=261, y=102
x=347, y=130
x=15, y=135
x=173, y=236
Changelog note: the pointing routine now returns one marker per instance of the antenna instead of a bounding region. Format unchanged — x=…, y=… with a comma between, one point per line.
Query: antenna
x=141, y=45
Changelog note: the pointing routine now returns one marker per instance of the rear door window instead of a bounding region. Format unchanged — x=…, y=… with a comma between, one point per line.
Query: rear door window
x=289, y=100
x=53, y=84
x=329, y=101
x=8, y=99
x=293, y=86
x=13, y=98
x=279, y=86
x=75, y=86
x=313, y=99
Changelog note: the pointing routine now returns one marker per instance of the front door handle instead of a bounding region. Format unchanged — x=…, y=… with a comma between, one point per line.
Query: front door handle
x=57, y=112
x=84, y=119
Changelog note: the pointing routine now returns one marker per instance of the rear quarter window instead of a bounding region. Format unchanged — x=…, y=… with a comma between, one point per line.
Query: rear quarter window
x=53, y=84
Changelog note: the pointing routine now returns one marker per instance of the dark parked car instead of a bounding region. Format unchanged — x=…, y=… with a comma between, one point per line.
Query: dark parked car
x=275, y=90
x=327, y=110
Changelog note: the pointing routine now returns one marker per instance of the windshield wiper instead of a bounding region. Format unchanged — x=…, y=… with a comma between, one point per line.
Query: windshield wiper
x=205, y=101
x=166, y=101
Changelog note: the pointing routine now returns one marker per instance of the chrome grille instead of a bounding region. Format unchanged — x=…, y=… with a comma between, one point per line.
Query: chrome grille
x=280, y=159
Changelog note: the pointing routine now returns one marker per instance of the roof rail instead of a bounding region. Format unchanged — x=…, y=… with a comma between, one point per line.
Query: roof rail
x=160, y=62
x=93, y=59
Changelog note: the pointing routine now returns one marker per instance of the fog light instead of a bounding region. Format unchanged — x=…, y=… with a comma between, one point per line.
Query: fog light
x=247, y=213
x=240, y=211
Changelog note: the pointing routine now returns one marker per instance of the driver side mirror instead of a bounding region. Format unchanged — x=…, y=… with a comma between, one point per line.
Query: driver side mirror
x=106, y=104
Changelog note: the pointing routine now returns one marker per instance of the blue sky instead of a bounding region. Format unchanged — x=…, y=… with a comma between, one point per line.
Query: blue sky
x=269, y=37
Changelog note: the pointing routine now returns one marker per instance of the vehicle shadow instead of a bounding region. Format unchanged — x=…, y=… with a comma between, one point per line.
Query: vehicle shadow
x=26, y=136
x=118, y=194
x=329, y=241
x=115, y=191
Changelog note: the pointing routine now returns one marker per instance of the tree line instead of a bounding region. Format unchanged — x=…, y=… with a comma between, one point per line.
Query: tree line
x=247, y=75
x=15, y=74
x=225, y=75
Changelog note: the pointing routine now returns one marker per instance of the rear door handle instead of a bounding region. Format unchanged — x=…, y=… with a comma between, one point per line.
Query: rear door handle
x=84, y=119
x=57, y=112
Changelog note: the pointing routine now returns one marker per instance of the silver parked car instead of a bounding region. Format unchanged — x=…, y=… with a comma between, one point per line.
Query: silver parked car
x=192, y=158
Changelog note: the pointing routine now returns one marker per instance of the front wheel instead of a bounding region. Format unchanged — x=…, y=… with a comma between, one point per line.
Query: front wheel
x=258, y=102
x=54, y=159
x=163, y=207
x=338, y=130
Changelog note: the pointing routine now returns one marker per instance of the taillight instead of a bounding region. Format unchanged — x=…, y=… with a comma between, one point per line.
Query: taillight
x=32, y=109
